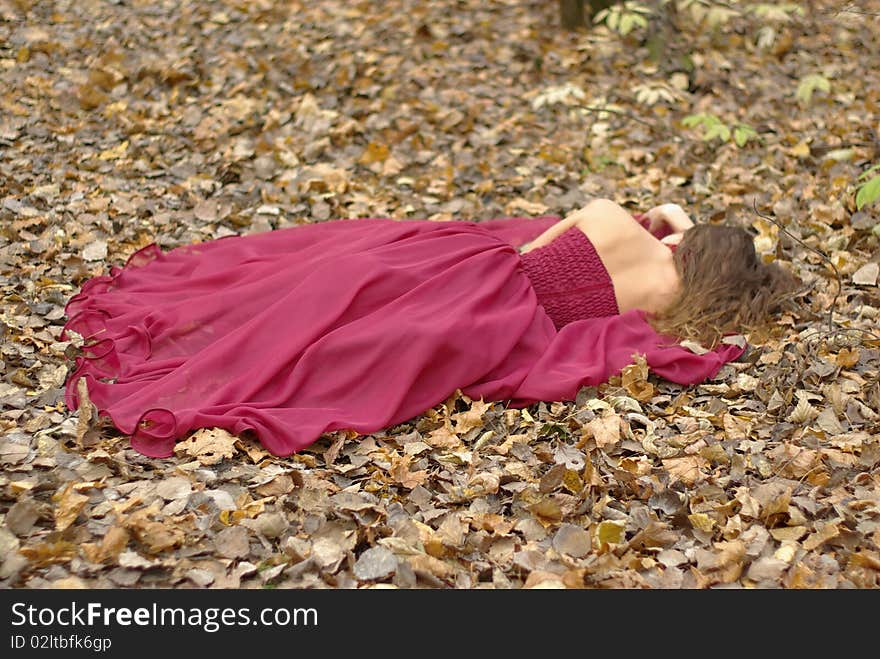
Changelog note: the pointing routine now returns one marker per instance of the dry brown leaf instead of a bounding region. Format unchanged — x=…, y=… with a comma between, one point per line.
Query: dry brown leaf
x=688, y=469
x=539, y=579
x=401, y=473
x=49, y=553
x=278, y=485
x=69, y=505
x=847, y=357
x=605, y=429
x=794, y=461
x=156, y=536
x=524, y=205
x=547, y=510
x=470, y=419
x=773, y=497
x=111, y=546
x=823, y=534
x=443, y=437
x=208, y=445
x=788, y=533
x=634, y=379
x=86, y=410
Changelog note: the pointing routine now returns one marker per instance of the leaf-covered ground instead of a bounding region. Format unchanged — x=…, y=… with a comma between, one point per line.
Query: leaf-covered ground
x=135, y=121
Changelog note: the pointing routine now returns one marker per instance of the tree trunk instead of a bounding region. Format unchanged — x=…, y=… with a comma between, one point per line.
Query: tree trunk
x=598, y=5
x=571, y=14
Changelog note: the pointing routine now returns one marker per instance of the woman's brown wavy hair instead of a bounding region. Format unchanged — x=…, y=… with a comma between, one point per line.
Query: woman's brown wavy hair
x=725, y=286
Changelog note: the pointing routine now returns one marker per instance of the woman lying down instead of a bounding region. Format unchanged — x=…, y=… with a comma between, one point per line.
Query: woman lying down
x=363, y=324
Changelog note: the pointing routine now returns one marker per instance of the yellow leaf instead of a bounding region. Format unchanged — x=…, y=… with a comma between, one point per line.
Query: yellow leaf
x=70, y=503
x=374, y=153
x=49, y=553
x=609, y=532
x=572, y=481
x=115, y=153
x=702, y=522
x=800, y=150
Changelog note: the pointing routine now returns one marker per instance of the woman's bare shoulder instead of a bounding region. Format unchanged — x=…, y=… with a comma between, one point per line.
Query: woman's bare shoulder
x=609, y=225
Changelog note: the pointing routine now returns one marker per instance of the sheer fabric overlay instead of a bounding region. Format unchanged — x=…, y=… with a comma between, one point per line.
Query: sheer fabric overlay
x=350, y=324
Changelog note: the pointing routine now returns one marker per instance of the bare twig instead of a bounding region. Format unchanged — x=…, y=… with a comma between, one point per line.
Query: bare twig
x=850, y=10
x=628, y=115
x=822, y=254
x=832, y=330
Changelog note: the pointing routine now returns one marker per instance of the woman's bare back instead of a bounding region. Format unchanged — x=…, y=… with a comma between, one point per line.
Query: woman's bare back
x=640, y=266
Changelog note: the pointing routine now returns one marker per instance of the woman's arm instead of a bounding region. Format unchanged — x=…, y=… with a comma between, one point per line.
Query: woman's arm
x=598, y=208
x=670, y=217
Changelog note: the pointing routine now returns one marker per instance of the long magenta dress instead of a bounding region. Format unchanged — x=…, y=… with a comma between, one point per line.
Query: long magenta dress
x=350, y=324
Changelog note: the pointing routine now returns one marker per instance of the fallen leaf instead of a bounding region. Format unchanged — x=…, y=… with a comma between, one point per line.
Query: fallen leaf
x=823, y=534
x=866, y=275
x=702, y=522
x=609, y=532
x=374, y=564
x=604, y=429
x=688, y=469
x=49, y=553
x=111, y=546
x=21, y=516
x=401, y=473
x=470, y=419
x=208, y=445
x=634, y=379
x=572, y=540
x=232, y=542
x=69, y=505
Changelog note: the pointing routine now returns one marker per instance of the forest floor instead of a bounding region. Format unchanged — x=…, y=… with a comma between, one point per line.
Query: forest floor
x=130, y=122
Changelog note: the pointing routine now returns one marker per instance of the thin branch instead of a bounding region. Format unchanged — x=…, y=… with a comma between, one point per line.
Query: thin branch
x=590, y=108
x=822, y=254
x=850, y=10
x=832, y=330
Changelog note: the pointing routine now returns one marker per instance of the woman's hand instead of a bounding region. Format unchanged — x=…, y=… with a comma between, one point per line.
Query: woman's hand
x=670, y=215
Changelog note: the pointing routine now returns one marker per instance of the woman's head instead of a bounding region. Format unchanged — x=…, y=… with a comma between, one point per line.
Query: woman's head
x=725, y=286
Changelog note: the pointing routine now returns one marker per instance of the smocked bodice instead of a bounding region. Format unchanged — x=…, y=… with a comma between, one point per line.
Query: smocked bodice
x=570, y=280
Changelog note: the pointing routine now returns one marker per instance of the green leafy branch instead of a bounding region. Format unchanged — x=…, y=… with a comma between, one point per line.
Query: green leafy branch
x=810, y=83
x=713, y=128
x=869, y=191
x=624, y=17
